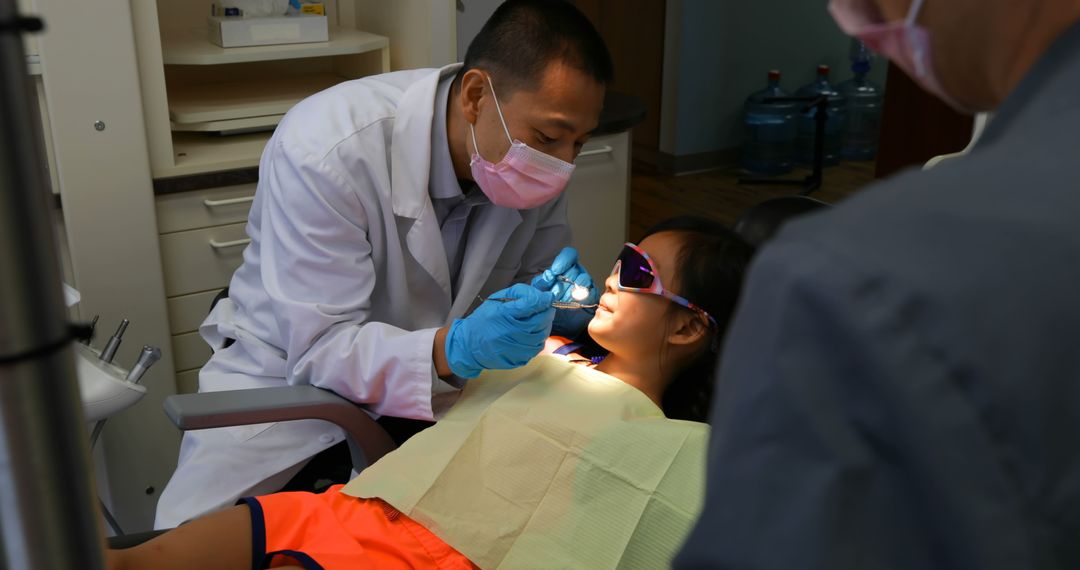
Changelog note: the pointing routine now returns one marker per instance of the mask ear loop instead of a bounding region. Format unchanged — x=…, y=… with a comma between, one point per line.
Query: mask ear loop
x=472, y=129
x=913, y=12
x=499, y=109
x=476, y=149
x=909, y=23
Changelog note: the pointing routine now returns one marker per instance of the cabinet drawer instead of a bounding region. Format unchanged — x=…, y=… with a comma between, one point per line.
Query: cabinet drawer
x=200, y=260
x=187, y=382
x=187, y=312
x=190, y=351
x=203, y=208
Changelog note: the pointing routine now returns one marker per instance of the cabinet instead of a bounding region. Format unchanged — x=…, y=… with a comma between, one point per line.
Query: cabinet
x=196, y=90
x=192, y=89
x=202, y=240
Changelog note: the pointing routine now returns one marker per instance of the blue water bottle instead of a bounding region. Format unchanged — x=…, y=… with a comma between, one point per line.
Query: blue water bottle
x=834, y=125
x=865, y=101
x=768, y=130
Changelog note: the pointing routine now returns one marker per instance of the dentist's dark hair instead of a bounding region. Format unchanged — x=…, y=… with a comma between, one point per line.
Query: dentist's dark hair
x=523, y=37
x=710, y=265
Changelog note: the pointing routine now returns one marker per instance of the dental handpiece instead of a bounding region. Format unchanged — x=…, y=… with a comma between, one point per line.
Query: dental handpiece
x=109, y=352
x=147, y=358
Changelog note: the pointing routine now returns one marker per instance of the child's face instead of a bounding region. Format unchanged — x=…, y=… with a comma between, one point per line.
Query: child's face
x=629, y=323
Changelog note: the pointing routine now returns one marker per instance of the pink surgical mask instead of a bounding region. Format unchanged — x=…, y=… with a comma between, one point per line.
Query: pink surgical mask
x=524, y=178
x=905, y=43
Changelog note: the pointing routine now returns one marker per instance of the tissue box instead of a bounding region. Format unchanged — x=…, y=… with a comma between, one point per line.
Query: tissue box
x=233, y=31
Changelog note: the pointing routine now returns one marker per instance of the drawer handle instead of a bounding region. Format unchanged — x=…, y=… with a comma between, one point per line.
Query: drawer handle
x=227, y=244
x=228, y=201
x=602, y=150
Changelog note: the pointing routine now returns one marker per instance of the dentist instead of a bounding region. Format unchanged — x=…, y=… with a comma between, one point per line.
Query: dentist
x=385, y=207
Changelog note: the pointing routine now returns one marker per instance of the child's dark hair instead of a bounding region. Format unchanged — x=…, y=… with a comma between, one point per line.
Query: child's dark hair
x=711, y=263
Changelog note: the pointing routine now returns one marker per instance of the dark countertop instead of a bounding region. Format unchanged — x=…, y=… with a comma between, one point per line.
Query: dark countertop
x=621, y=112
x=206, y=180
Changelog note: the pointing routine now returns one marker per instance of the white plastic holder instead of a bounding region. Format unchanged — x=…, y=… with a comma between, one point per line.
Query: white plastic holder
x=103, y=386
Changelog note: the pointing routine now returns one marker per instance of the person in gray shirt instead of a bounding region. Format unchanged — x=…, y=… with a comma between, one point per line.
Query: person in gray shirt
x=901, y=384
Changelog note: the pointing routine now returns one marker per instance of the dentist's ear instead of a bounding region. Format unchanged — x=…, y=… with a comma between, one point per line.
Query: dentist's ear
x=472, y=92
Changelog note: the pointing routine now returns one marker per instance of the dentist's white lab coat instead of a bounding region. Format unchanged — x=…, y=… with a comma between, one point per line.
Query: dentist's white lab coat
x=346, y=281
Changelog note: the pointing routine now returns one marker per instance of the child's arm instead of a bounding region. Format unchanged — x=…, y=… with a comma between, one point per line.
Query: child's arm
x=219, y=540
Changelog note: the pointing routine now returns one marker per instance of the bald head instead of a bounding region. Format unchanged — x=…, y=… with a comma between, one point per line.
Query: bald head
x=983, y=48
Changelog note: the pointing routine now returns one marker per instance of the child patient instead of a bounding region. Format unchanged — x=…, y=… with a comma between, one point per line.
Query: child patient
x=566, y=462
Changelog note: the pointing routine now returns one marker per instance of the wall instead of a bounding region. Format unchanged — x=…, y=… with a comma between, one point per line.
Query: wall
x=471, y=16
x=422, y=32
x=722, y=50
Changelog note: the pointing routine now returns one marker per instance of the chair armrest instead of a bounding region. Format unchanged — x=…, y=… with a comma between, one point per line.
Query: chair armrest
x=368, y=441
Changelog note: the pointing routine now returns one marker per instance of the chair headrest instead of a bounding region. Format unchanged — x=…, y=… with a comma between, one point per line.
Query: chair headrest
x=761, y=222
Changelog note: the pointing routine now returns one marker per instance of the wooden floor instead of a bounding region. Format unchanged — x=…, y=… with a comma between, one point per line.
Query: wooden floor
x=717, y=193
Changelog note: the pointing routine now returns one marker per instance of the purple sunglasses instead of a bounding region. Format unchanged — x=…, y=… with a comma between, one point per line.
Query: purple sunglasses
x=637, y=274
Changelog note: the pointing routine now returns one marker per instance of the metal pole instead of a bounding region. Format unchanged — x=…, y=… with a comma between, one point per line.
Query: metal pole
x=47, y=516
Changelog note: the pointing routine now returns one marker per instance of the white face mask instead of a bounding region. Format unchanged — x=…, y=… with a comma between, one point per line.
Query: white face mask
x=904, y=43
x=524, y=178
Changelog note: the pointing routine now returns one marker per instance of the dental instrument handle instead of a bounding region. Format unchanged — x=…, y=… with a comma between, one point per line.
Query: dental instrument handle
x=572, y=305
x=109, y=352
x=147, y=358
x=556, y=304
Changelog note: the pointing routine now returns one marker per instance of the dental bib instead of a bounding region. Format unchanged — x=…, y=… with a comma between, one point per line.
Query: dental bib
x=552, y=465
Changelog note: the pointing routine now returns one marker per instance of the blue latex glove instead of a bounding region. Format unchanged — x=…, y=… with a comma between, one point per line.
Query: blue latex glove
x=568, y=322
x=500, y=335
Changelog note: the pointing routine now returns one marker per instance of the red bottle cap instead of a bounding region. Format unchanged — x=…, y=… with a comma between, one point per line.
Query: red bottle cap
x=823, y=70
x=774, y=75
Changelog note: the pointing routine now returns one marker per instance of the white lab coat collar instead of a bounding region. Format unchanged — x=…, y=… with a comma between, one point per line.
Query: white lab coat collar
x=410, y=163
x=444, y=181
x=410, y=170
